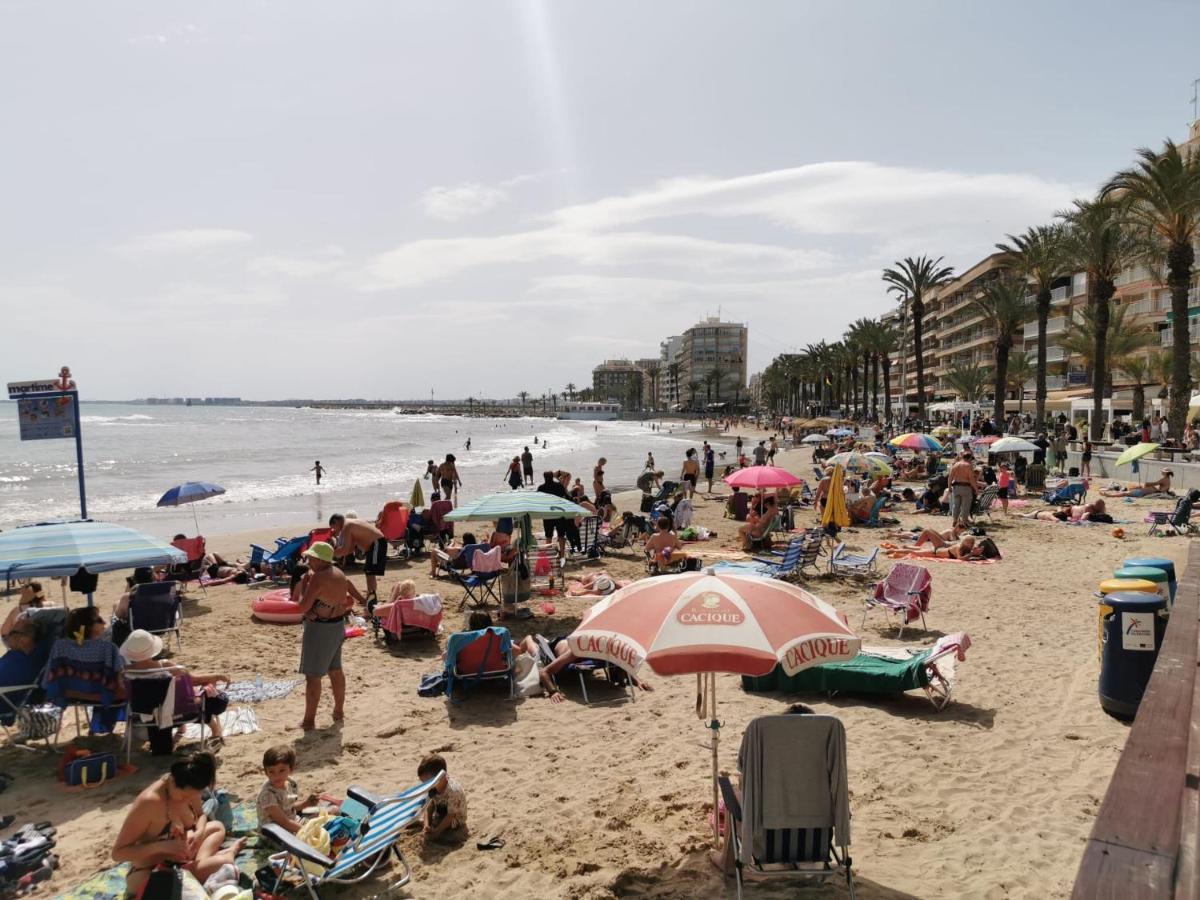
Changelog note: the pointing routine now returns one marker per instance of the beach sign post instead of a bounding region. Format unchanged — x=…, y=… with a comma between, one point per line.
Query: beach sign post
x=49, y=410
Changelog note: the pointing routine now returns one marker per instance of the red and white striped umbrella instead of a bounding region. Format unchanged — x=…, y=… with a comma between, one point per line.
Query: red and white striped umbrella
x=696, y=623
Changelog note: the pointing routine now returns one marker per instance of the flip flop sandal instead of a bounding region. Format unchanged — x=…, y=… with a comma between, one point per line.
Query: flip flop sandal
x=494, y=843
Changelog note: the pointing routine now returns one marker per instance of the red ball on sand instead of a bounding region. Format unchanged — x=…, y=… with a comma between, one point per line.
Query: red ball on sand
x=548, y=608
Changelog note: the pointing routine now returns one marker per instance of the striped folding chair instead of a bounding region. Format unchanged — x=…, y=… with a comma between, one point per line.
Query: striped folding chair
x=378, y=835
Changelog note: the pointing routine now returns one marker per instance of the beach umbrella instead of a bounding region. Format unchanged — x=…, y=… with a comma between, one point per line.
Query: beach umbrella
x=417, y=498
x=1137, y=451
x=945, y=429
x=762, y=478
x=816, y=439
x=60, y=549
x=1012, y=444
x=985, y=440
x=190, y=492
x=882, y=457
x=835, y=511
x=860, y=462
x=705, y=624
x=839, y=432
x=915, y=440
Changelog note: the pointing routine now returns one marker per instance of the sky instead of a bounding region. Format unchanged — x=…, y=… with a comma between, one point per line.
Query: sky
x=388, y=200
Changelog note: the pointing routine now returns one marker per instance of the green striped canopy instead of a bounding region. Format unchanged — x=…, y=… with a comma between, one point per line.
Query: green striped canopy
x=60, y=549
x=528, y=504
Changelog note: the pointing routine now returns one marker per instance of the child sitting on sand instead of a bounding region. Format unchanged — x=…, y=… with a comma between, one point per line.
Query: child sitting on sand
x=279, y=799
x=447, y=806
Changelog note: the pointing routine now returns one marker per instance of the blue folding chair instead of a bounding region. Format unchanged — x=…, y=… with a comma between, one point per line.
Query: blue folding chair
x=156, y=608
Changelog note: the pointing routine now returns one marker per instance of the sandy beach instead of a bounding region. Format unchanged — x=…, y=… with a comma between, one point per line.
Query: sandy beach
x=992, y=797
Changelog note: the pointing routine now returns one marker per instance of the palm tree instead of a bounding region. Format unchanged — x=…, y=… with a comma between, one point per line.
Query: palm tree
x=713, y=378
x=969, y=380
x=886, y=344
x=652, y=370
x=1160, y=203
x=470, y=406
x=1005, y=308
x=914, y=279
x=860, y=337
x=693, y=387
x=523, y=396
x=673, y=379
x=1140, y=373
x=1037, y=256
x=1122, y=342
x=1096, y=242
x=570, y=392
x=1021, y=370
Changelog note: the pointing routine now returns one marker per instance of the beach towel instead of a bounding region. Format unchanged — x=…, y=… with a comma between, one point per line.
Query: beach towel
x=87, y=673
x=577, y=590
x=255, y=692
x=749, y=569
x=904, y=554
x=233, y=722
x=424, y=612
x=774, y=749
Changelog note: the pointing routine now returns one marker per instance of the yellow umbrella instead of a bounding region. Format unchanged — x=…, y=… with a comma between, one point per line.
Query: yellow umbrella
x=418, y=496
x=835, y=502
x=1137, y=451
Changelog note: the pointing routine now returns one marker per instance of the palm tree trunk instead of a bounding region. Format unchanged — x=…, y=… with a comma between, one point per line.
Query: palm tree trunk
x=1001, y=383
x=1100, y=292
x=887, y=388
x=866, y=361
x=1179, y=277
x=1139, y=401
x=918, y=312
x=875, y=386
x=1043, y=314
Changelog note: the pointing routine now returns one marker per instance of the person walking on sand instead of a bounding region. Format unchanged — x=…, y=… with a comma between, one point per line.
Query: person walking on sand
x=319, y=470
x=962, y=489
x=689, y=474
x=326, y=595
x=527, y=467
x=709, y=464
x=353, y=535
x=447, y=475
x=598, y=478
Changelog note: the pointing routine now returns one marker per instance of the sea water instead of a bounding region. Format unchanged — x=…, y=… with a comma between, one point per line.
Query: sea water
x=263, y=456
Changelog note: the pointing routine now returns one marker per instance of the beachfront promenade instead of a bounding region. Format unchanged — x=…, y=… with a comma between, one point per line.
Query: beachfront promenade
x=1145, y=844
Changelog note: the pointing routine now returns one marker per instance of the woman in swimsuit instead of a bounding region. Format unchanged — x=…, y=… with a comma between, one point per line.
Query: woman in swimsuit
x=967, y=548
x=448, y=476
x=165, y=825
x=1162, y=486
x=1080, y=513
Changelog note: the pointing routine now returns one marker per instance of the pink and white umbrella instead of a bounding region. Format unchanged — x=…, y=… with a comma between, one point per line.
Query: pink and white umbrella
x=762, y=478
x=708, y=623
x=701, y=623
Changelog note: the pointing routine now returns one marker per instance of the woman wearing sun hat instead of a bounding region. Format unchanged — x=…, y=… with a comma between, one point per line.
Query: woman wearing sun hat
x=139, y=651
x=326, y=595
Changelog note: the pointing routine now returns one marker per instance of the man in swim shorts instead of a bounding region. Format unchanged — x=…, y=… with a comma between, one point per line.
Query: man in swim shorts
x=326, y=595
x=358, y=535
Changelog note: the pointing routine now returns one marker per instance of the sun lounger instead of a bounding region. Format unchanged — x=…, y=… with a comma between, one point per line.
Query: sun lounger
x=378, y=837
x=1178, y=521
x=904, y=593
x=842, y=562
x=792, y=819
x=877, y=670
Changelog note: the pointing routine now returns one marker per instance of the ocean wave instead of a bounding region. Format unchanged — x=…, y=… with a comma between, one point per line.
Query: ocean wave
x=135, y=417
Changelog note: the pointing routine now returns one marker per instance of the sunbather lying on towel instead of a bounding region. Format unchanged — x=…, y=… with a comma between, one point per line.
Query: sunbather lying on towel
x=1084, y=512
x=563, y=657
x=1162, y=486
x=967, y=548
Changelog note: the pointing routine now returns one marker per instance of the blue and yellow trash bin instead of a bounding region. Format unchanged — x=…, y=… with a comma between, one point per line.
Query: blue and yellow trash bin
x=1146, y=573
x=1156, y=562
x=1132, y=625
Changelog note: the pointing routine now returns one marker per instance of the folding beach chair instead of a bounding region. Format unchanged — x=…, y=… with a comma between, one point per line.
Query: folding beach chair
x=379, y=834
x=156, y=608
x=984, y=502
x=589, y=540
x=787, y=563
x=12, y=699
x=195, y=548
x=1178, y=521
x=614, y=674
x=873, y=517
x=393, y=522
x=279, y=562
x=808, y=835
x=1065, y=495
x=877, y=670
x=479, y=582
x=904, y=593
x=842, y=562
x=484, y=655
x=620, y=538
x=145, y=693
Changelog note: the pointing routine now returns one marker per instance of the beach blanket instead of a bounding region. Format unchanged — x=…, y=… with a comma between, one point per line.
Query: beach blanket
x=747, y=568
x=901, y=554
x=110, y=883
x=253, y=692
x=233, y=722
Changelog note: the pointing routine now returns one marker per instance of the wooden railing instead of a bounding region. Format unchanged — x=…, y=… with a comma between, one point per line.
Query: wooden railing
x=1144, y=841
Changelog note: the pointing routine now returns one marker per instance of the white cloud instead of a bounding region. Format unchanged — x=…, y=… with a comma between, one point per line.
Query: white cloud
x=449, y=204
x=293, y=266
x=189, y=240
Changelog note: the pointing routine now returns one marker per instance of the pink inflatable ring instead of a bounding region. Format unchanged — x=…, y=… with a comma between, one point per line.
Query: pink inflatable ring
x=276, y=606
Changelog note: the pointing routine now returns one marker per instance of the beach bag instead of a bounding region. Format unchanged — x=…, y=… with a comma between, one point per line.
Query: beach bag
x=314, y=834
x=541, y=565
x=526, y=682
x=432, y=685
x=90, y=771
x=38, y=722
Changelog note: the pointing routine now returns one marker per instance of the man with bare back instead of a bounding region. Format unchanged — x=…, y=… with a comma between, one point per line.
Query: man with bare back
x=355, y=534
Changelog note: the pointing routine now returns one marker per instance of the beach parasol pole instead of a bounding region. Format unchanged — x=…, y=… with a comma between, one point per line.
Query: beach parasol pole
x=706, y=708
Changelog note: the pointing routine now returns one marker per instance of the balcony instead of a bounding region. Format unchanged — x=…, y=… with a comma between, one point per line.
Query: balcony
x=1054, y=326
x=1053, y=383
x=1053, y=354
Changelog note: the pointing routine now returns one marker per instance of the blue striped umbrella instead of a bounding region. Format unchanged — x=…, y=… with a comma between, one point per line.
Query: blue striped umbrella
x=190, y=492
x=59, y=549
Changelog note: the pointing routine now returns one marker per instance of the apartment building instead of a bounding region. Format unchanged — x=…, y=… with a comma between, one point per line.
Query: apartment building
x=713, y=345
x=670, y=357
x=618, y=381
